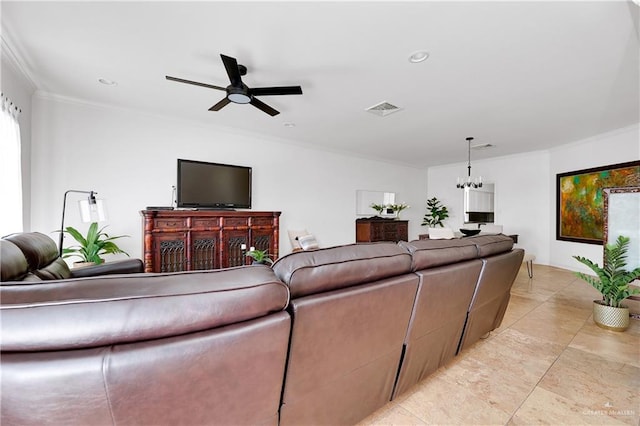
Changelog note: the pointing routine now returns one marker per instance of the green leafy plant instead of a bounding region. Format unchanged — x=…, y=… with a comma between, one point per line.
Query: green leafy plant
x=612, y=279
x=260, y=256
x=436, y=213
x=378, y=207
x=397, y=208
x=93, y=245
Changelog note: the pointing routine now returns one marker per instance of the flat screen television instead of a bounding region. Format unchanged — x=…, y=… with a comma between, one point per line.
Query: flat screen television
x=213, y=186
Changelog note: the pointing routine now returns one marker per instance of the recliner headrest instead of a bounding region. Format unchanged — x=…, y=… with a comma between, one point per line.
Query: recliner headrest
x=39, y=249
x=13, y=264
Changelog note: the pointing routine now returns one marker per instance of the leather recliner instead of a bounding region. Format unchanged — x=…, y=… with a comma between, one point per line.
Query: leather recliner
x=33, y=256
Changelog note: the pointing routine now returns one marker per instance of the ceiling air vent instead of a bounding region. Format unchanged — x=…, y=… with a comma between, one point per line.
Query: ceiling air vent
x=482, y=146
x=383, y=109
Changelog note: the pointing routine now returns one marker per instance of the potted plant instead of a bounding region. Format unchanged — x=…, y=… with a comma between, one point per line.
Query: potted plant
x=91, y=246
x=397, y=208
x=436, y=213
x=379, y=208
x=612, y=282
x=259, y=256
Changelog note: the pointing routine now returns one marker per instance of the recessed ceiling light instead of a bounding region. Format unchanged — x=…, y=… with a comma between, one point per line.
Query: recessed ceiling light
x=289, y=124
x=418, y=56
x=107, y=82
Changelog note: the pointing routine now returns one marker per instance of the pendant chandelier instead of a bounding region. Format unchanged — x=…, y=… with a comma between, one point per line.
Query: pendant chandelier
x=468, y=182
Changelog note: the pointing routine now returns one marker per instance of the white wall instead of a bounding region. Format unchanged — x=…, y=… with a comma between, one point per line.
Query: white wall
x=620, y=146
x=129, y=158
x=526, y=194
x=521, y=196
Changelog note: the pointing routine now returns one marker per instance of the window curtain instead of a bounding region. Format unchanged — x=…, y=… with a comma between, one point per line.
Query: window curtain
x=10, y=168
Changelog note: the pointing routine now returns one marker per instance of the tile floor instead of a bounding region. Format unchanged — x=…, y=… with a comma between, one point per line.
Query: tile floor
x=548, y=363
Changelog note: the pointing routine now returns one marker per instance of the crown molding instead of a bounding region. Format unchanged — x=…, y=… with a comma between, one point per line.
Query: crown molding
x=15, y=60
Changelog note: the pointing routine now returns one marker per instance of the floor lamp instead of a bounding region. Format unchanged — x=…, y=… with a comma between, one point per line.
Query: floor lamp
x=91, y=210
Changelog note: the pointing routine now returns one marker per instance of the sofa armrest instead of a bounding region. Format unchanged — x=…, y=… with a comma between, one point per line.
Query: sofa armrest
x=127, y=266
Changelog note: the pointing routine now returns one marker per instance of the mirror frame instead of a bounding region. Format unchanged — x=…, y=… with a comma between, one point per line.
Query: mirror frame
x=621, y=212
x=465, y=215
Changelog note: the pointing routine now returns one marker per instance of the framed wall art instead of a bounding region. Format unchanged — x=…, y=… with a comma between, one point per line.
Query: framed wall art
x=580, y=200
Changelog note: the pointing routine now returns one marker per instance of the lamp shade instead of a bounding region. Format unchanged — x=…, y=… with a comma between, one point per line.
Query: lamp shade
x=92, y=210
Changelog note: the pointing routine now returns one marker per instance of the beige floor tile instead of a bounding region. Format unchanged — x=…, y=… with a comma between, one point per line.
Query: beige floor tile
x=617, y=346
x=438, y=400
x=519, y=306
x=543, y=407
x=554, y=323
x=520, y=356
x=392, y=414
x=594, y=382
x=491, y=382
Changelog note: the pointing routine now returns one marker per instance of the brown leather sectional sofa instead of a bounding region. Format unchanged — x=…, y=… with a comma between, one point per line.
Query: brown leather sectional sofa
x=324, y=337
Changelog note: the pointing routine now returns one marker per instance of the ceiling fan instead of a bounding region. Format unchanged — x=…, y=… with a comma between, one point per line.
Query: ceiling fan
x=240, y=93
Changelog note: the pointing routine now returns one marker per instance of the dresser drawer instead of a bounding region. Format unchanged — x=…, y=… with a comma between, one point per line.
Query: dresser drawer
x=169, y=223
x=197, y=222
x=235, y=221
x=261, y=221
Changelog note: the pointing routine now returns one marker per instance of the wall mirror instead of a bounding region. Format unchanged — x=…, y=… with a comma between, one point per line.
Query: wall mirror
x=621, y=213
x=479, y=204
x=364, y=199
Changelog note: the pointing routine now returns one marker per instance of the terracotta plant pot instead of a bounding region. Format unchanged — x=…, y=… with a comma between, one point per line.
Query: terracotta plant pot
x=83, y=264
x=610, y=318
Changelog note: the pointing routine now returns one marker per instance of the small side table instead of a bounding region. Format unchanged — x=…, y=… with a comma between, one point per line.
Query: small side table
x=528, y=259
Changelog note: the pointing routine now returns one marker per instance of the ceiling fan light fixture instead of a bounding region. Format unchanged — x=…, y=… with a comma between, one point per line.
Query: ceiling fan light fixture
x=238, y=95
x=239, y=98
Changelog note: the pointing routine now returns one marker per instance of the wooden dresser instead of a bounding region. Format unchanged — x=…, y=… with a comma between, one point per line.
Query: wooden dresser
x=373, y=229
x=185, y=240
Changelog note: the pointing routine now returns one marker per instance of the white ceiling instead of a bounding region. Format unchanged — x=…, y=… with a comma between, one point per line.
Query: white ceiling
x=521, y=75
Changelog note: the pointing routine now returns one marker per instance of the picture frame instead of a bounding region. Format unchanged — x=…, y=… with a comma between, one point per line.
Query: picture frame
x=580, y=200
x=621, y=217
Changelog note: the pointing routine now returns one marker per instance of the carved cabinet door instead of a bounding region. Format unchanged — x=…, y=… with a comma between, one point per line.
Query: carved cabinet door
x=170, y=252
x=205, y=251
x=232, y=242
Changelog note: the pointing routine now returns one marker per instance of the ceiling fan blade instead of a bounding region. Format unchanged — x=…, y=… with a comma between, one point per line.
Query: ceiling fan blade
x=264, y=107
x=219, y=105
x=233, y=72
x=285, y=90
x=182, y=80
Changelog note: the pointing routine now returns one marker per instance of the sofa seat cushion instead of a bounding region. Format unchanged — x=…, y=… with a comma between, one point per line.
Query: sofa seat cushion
x=431, y=253
x=56, y=270
x=327, y=269
x=98, y=311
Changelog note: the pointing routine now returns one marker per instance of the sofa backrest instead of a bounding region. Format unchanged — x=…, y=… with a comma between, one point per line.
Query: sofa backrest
x=429, y=253
x=112, y=309
x=350, y=309
x=184, y=348
x=332, y=268
x=41, y=254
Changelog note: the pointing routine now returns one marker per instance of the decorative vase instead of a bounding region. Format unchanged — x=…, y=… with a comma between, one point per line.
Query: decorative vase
x=610, y=318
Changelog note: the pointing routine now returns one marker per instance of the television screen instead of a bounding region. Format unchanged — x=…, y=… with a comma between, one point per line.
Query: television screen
x=213, y=185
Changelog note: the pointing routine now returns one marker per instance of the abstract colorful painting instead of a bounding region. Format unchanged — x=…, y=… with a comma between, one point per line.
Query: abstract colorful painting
x=580, y=200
